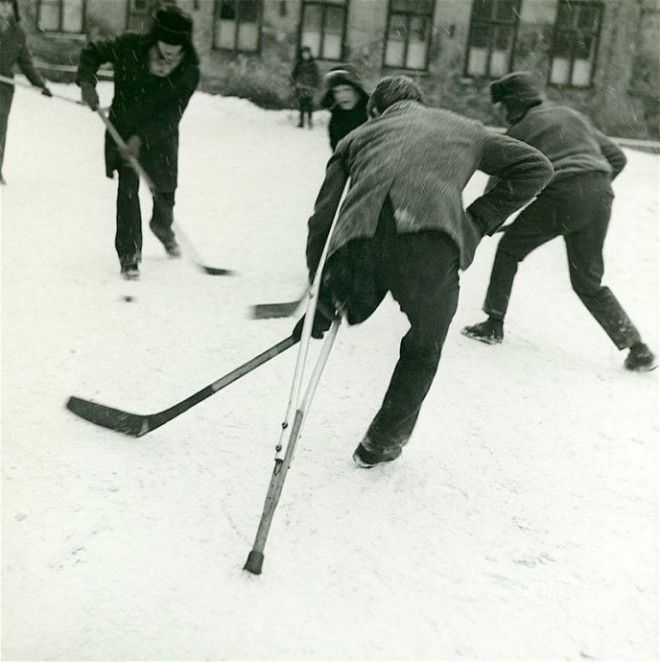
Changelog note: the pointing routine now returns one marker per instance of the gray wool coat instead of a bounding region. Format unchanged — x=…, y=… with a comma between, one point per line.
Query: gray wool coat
x=423, y=158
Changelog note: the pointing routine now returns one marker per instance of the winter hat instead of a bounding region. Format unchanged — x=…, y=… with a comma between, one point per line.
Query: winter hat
x=341, y=75
x=172, y=26
x=392, y=89
x=519, y=87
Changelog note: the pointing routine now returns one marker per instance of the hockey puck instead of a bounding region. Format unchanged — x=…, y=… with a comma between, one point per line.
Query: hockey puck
x=127, y=297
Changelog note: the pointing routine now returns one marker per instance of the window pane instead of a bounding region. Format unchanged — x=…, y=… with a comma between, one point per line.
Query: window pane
x=49, y=16
x=482, y=9
x=224, y=34
x=418, y=42
x=73, y=16
x=581, y=73
x=227, y=10
x=248, y=11
x=396, y=38
x=311, y=31
x=248, y=36
x=477, y=58
x=481, y=35
x=588, y=17
x=506, y=10
x=413, y=6
x=559, y=71
x=583, y=45
x=334, y=28
x=565, y=15
x=499, y=63
x=503, y=38
x=563, y=43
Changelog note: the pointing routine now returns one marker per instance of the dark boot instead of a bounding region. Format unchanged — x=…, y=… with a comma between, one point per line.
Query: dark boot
x=490, y=332
x=367, y=459
x=640, y=358
x=129, y=269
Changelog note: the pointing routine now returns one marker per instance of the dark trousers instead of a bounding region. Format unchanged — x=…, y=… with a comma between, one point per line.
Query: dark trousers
x=306, y=107
x=6, y=98
x=421, y=271
x=128, y=238
x=578, y=209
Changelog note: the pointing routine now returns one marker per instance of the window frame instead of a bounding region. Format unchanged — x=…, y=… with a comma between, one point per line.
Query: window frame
x=60, y=24
x=490, y=23
x=429, y=39
x=600, y=5
x=131, y=13
x=236, y=50
x=345, y=5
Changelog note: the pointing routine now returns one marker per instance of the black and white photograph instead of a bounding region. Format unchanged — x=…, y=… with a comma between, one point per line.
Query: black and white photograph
x=329, y=330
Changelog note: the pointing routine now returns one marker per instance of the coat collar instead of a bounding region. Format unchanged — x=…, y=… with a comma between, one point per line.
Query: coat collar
x=400, y=107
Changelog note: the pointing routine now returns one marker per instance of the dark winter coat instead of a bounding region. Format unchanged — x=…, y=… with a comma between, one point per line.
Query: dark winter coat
x=342, y=122
x=145, y=105
x=422, y=158
x=306, y=77
x=569, y=140
x=14, y=51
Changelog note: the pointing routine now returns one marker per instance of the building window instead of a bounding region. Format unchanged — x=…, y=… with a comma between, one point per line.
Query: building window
x=575, y=42
x=493, y=28
x=61, y=15
x=323, y=28
x=237, y=25
x=408, y=34
x=138, y=17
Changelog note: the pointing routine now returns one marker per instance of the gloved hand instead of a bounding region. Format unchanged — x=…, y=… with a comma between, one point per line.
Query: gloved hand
x=322, y=322
x=46, y=92
x=89, y=95
x=133, y=146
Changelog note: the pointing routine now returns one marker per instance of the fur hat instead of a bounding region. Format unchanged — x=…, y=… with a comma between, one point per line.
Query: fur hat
x=341, y=75
x=392, y=89
x=172, y=26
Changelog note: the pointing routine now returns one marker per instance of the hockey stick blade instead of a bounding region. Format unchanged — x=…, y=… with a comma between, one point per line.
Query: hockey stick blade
x=263, y=311
x=217, y=271
x=133, y=425
x=137, y=425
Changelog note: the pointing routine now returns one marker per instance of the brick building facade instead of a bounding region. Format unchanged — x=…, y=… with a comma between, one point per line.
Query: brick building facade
x=600, y=56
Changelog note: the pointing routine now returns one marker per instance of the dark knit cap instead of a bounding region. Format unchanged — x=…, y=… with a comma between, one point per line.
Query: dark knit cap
x=520, y=88
x=341, y=75
x=172, y=26
x=392, y=89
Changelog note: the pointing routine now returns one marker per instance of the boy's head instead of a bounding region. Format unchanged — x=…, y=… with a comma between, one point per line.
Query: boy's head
x=513, y=94
x=8, y=10
x=306, y=53
x=172, y=28
x=392, y=89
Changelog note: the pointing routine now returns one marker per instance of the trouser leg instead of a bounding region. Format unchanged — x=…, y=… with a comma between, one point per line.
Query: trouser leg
x=533, y=228
x=584, y=249
x=128, y=237
x=162, y=217
x=425, y=283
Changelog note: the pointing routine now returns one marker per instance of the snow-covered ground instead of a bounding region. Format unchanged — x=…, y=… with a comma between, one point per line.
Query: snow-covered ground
x=521, y=522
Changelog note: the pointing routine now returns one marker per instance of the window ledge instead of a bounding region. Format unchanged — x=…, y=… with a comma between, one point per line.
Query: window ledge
x=56, y=34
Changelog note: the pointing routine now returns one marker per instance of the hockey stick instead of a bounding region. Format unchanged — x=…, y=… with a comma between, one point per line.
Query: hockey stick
x=135, y=164
x=261, y=311
x=296, y=411
x=137, y=425
x=28, y=86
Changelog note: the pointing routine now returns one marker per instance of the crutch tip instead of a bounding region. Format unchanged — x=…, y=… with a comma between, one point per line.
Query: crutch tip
x=254, y=562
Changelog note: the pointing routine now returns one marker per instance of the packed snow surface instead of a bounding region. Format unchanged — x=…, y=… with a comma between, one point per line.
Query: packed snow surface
x=521, y=521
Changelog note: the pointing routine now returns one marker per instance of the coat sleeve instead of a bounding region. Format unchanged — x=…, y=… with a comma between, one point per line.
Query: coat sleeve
x=521, y=171
x=93, y=55
x=612, y=152
x=26, y=65
x=325, y=208
x=170, y=114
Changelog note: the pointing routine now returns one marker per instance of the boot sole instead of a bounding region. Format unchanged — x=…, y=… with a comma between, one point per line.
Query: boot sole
x=485, y=340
